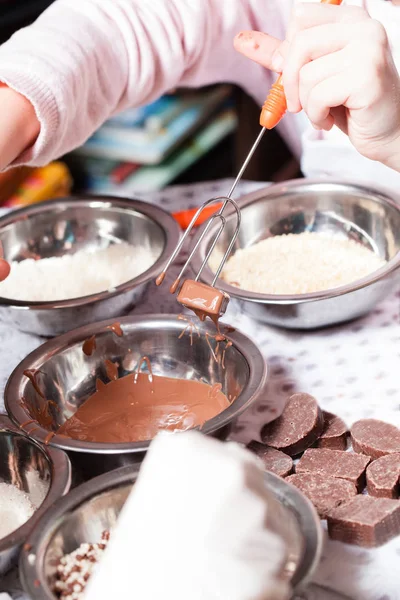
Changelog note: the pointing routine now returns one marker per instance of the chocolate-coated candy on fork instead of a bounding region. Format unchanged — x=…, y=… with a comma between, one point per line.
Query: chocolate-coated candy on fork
x=204, y=300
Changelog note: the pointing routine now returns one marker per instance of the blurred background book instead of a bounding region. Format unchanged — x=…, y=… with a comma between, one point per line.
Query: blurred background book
x=145, y=149
x=138, y=151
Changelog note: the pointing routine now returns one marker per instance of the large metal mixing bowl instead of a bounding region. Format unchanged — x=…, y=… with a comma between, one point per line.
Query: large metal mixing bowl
x=351, y=211
x=94, y=507
x=43, y=474
x=66, y=225
x=68, y=377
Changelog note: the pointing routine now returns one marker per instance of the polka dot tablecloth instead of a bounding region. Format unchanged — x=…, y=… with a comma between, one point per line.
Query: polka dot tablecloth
x=353, y=371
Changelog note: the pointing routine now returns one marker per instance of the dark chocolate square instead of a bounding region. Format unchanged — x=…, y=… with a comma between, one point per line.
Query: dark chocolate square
x=365, y=521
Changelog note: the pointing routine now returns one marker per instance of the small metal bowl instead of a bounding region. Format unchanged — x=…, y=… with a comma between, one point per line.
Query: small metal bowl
x=94, y=507
x=68, y=378
x=44, y=474
x=66, y=225
x=347, y=210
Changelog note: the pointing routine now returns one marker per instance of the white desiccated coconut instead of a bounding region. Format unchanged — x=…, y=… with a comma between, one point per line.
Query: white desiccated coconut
x=75, y=275
x=15, y=508
x=298, y=264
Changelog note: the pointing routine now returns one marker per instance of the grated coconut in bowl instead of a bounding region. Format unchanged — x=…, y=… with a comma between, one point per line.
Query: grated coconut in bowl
x=298, y=264
x=76, y=275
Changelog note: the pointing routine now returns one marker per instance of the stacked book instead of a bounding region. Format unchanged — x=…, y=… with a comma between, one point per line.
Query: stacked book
x=144, y=149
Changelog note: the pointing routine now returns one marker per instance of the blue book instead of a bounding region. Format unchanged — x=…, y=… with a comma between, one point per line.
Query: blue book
x=151, y=178
x=143, y=116
x=151, y=145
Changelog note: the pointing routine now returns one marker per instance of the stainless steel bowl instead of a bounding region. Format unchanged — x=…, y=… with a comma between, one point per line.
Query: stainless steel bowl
x=94, y=507
x=68, y=378
x=352, y=211
x=44, y=474
x=66, y=225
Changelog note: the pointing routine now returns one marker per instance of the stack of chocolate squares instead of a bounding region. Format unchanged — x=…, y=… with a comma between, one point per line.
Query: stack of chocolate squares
x=351, y=476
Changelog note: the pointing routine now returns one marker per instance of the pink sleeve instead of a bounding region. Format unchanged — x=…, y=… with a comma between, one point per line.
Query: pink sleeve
x=83, y=60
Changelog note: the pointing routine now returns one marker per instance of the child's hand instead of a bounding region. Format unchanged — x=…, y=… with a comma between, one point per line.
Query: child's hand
x=19, y=126
x=4, y=269
x=338, y=68
x=4, y=266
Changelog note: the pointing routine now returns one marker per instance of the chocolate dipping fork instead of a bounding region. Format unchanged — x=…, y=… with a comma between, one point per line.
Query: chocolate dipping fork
x=203, y=299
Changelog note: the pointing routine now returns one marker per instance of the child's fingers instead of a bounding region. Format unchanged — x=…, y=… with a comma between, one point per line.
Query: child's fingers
x=4, y=269
x=307, y=15
x=308, y=46
x=327, y=94
x=262, y=49
x=369, y=37
x=317, y=70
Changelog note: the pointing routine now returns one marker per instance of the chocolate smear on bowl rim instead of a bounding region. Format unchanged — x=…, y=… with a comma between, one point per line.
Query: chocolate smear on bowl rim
x=116, y=328
x=111, y=369
x=39, y=411
x=32, y=375
x=89, y=346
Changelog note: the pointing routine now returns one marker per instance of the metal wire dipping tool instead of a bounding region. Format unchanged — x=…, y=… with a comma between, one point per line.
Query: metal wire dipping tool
x=203, y=299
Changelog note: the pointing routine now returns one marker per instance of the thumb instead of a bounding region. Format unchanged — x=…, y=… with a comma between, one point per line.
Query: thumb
x=4, y=266
x=4, y=269
x=262, y=48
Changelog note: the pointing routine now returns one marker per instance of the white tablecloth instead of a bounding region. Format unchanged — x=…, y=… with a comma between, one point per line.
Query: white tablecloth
x=353, y=371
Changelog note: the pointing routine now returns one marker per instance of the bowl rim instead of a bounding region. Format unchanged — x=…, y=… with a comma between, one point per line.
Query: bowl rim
x=258, y=374
x=31, y=571
x=60, y=483
x=269, y=193
x=155, y=213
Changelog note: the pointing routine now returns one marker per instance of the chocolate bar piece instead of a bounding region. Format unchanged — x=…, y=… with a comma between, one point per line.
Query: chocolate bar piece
x=274, y=460
x=375, y=438
x=334, y=434
x=365, y=521
x=383, y=477
x=325, y=493
x=204, y=300
x=335, y=463
x=298, y=427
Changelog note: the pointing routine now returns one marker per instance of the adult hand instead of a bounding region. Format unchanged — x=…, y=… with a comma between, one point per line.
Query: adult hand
x=337, y=67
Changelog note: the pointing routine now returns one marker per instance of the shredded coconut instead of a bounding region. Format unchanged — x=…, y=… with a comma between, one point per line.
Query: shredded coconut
x=298, y=264
x=75, y=275
x=15, y=508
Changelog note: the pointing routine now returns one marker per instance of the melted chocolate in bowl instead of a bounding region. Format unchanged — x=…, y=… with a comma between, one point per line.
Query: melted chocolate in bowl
x=109, y=394
x=136, y=407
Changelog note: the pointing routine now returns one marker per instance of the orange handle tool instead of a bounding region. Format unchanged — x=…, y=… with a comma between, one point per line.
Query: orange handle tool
x=185, y=217
x=275, y=107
